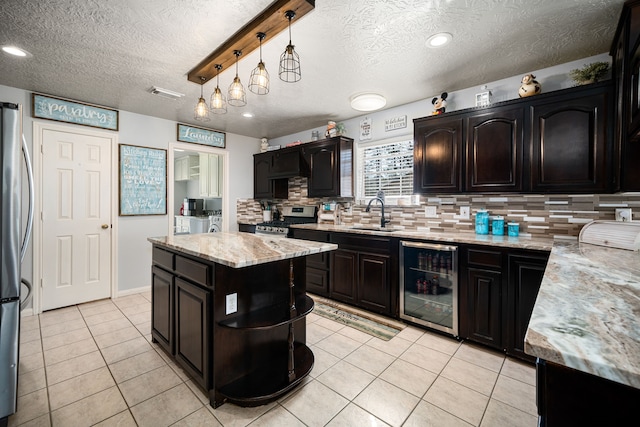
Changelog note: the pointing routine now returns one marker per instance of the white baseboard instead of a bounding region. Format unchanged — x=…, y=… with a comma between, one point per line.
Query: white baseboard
x=26, y=312
x=142, y=289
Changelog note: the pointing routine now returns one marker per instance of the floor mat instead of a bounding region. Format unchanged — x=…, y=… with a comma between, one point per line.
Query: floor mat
x=369, y=323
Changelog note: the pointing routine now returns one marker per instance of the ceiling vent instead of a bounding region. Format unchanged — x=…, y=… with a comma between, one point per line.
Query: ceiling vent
x=166, y=93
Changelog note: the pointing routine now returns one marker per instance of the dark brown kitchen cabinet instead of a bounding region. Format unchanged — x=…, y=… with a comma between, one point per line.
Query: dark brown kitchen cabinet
x=525, y=273
x=264, y=186
x=570, y=142
x=494, y=151
x=330, y=167
x=193, y=330
x=556, y=142
x=482, y=319
x=288, y=162
x=317, y=264
x=362, y=272
x=437, y=155
x=625, y=51
x=498, y=289
x=162, y=308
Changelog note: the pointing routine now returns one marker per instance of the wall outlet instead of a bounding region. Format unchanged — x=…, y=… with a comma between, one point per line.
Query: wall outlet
x=623, y=214
x=464, y=212
x=232, y=303
x=430, y=212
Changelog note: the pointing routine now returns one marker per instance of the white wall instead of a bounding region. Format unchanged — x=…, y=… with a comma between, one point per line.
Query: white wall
x=134, y=251
x=551, y=79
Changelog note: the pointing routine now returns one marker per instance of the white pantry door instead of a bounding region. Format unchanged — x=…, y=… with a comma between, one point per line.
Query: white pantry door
x=76, y=218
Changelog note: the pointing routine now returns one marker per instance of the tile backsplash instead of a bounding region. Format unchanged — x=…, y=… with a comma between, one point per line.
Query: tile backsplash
x=551, y=215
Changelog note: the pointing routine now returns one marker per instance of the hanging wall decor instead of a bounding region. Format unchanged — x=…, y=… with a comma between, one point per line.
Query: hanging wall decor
x=143, y=180
x=75, y=112
x=197, y=135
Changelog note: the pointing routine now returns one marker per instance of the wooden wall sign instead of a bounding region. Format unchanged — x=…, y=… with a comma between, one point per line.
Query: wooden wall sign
x=69, y=111
x=197, y=135
x=143, y=180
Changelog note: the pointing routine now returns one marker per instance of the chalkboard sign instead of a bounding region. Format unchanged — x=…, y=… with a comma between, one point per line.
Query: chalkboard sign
x=143, y=181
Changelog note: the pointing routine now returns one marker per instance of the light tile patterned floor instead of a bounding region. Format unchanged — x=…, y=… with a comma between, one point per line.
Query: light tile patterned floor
x=94, y=364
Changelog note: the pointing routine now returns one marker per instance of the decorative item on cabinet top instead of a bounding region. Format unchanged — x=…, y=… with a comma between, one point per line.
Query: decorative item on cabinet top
x=529, y=86
x=591, y=73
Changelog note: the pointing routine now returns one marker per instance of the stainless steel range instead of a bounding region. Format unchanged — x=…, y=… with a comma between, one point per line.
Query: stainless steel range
x=292, y=215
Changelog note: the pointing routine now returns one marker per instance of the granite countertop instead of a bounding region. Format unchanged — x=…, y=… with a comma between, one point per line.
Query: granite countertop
x=520, y=242
x=239, y=250
x=586, y=313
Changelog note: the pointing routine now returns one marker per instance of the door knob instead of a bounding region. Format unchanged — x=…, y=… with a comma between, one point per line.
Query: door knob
x=105, y=226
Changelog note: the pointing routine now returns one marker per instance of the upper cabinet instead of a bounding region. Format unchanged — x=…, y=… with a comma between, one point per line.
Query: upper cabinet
x=556, y=142
x=327, y=163
x=210, y=175
x=186, y=168
x=330, y=167
x=625, y=51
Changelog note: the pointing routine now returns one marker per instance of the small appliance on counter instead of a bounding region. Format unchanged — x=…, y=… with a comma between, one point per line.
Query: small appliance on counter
x=193, y=207
x=330, y=213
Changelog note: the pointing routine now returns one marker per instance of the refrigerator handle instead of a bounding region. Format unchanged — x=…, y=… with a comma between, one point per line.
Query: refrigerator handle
x=27, y=234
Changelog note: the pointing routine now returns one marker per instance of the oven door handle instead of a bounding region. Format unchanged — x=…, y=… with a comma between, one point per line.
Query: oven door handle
x=434, y=246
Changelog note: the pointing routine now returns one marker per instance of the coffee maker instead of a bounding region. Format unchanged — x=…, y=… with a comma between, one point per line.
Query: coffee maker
x=193, y=207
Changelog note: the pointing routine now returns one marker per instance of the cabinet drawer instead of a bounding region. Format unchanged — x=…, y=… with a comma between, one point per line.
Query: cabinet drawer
x=364, y=243
x=196, y=271
x=484, y=258
x=163, y=258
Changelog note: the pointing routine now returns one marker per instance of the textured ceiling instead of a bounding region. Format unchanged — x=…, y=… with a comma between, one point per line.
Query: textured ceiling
x=112, y=52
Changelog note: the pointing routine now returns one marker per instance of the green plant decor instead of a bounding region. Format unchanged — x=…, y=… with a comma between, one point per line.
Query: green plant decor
x=590, y=73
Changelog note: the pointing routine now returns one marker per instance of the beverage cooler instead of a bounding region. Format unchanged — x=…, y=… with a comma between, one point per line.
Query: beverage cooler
x=429, y=285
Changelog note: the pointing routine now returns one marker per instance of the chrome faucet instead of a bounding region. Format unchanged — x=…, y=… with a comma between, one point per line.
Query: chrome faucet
x=383, y=221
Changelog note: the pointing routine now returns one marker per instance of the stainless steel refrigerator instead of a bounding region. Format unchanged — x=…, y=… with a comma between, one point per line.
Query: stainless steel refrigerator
x=12, y=250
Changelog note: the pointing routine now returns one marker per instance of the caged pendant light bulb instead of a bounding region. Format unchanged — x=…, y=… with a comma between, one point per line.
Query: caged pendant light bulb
x=259, y=80
x=218, y=101
x=201, y=111
x=236, y=95
x=289, y=60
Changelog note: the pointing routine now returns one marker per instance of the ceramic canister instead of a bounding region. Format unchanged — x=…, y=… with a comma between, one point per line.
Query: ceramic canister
x=497, y=226
x=513, y=229
x=482, y=222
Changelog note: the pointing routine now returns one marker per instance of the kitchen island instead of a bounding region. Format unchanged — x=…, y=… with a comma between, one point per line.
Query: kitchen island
x=230, y=309
x=585, y=333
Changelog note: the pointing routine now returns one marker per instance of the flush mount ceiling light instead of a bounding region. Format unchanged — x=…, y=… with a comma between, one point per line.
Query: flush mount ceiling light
x=236, y=95
x=16, y=51
x=259, y=80
x=289, y=60
x=439, y=40
x=270, y=21
x=247, y=115
x=218, y=101
x=368, y=102
x=201, y=111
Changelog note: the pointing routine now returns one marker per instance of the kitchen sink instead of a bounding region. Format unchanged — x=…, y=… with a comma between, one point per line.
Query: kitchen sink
x=388, y=230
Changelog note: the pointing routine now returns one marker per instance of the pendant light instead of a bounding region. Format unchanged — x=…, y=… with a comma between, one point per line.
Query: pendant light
x=237, y=96
x=289, y=60
x=218, y=101
x=259, y=80
x=201, y=110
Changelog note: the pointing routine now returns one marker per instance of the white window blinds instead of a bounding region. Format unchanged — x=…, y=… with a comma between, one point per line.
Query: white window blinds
x=387, y=167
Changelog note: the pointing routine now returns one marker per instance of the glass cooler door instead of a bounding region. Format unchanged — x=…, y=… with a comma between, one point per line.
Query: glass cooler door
x=429, y=285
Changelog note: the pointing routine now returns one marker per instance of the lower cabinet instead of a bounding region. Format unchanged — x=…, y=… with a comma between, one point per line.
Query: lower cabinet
x=193, y=330
x=317, y=264
x=498, y=289
x=162, y=308
x=525, y=273
x=362, y=273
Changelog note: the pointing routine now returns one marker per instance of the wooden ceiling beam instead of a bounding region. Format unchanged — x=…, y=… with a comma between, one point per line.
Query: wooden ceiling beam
x=271, y=21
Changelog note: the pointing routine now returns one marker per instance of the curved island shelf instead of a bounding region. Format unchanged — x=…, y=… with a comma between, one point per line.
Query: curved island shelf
x=272, y=316
x=267, y=384
x=230, y=309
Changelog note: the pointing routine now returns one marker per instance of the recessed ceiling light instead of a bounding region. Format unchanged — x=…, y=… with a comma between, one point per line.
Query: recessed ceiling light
x=247, y=115
x=439, y=40
x=368, y=102
x=16, y=51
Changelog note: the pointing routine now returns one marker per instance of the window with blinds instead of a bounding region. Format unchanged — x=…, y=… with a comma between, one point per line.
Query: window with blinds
x=387, y=167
